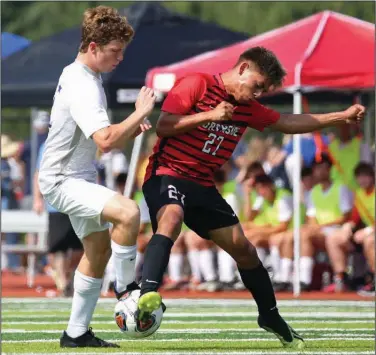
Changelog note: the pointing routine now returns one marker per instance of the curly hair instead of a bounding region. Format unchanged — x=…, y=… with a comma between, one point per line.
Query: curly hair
x=102, y=25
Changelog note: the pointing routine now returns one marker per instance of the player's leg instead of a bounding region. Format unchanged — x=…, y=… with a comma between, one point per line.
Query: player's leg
x=259, y=241
x=274, y=242
x=124, y=214
x=312, y=238
x=175, y=265
x=226, y=269
x=369, y=249
x=193, y=255
x=338, y=246
x=222, y=226
x=206, y=263
x=142, y=241
x=84, y=202
x=165, y=197
x=256, y=279
x=286, y=265
x=366, y=238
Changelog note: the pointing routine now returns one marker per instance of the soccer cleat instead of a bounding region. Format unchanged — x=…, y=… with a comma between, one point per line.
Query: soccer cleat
x=86, y=340
x=287, y=336
x=148, y=303
x=131, y=287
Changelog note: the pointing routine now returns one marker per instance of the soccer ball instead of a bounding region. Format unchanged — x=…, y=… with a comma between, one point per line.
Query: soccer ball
x=125, y=311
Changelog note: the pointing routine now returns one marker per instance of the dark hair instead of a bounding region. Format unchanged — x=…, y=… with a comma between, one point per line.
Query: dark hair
x=306, y=171
x=102, y=25
x=364, y=168
x=253, y=167
x=323, y=159
x=267, y=64
x=121, y=179
x=219, y=176
x=264, y=180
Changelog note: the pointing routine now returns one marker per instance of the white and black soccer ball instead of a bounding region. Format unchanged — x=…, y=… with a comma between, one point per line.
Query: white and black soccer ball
x=125, y=311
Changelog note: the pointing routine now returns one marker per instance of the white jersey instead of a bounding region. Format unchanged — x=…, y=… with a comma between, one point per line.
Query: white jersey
x=78, y=111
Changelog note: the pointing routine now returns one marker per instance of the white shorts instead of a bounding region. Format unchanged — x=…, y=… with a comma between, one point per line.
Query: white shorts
x=327, y=231
x=83, y=201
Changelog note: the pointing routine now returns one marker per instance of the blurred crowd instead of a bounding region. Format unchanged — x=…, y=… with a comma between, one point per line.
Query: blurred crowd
x=337, y=213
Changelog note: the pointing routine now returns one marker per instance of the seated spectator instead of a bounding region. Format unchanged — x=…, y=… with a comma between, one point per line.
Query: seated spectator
x=285, y=240
x=247, y=178
x=357, y=232
x=274, y=204
x=347, y=151
x=329, y=207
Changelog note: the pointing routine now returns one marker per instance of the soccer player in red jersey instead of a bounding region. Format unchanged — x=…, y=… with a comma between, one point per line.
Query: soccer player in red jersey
x=203, y=118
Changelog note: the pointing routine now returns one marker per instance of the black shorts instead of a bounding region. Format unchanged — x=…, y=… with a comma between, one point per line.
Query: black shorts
x=204, y=207
x=61, y=235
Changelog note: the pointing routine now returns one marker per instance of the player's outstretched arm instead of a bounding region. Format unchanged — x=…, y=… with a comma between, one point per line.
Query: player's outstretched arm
x=291, y=123
x=116, y=135
x=169, y=124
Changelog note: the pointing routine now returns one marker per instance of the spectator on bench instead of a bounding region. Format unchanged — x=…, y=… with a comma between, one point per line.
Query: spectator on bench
x=357, y=232
x=329, y=207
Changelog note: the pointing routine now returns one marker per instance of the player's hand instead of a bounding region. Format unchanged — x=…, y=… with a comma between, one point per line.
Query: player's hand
x=145, y=101
x=354, y=114
x=145, y=125
x=38, y=206
x=223, y=112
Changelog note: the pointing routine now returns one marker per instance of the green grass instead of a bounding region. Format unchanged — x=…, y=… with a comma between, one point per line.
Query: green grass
x=215, y=326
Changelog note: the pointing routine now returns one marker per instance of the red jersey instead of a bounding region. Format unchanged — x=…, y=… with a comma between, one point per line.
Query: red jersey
x=196, y=154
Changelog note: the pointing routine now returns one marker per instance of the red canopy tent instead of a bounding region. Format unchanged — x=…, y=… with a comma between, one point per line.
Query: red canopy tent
x=326, y=50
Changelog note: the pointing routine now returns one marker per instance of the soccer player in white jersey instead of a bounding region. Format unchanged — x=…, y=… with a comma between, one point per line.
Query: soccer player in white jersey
x=80, y=126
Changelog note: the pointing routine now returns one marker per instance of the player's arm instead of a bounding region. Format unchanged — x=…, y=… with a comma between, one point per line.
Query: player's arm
x=115, y=136
x=169, y=124
x=309, y=122
x=176, y=118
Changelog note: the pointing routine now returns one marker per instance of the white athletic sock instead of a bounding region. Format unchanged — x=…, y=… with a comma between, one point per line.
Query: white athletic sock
x=275, y=261
x=306, y=268
x=175, y=267
x=261, y=252
x=124, y=259
x=226, y=266
x=85, y=297
x=207, y=265
x=194, y=263
x=286, y=270
x=139, y=265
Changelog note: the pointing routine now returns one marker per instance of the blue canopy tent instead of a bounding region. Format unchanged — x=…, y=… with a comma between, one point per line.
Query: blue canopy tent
x=11, y=43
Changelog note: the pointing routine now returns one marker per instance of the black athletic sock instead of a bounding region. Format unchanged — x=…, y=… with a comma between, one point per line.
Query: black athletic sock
x=258, y=282
x=156, y=260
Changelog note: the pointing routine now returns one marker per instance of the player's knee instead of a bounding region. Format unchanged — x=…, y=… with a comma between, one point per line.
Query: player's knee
x=129, y=213
x=170, y=223
x=246, y=256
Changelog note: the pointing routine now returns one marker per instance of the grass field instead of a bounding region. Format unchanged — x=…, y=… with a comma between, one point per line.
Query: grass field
x=196, y=326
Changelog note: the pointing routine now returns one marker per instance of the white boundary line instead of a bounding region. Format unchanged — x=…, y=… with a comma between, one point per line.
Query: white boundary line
x=201, y=330
x=309, y=315
x=183, y=302
x=339, y=321
x=343, y=338
x=275, y=351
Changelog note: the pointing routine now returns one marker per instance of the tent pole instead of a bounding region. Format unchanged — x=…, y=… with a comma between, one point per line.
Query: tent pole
x=296, y=195
x=136, y=151
x=33, y=145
